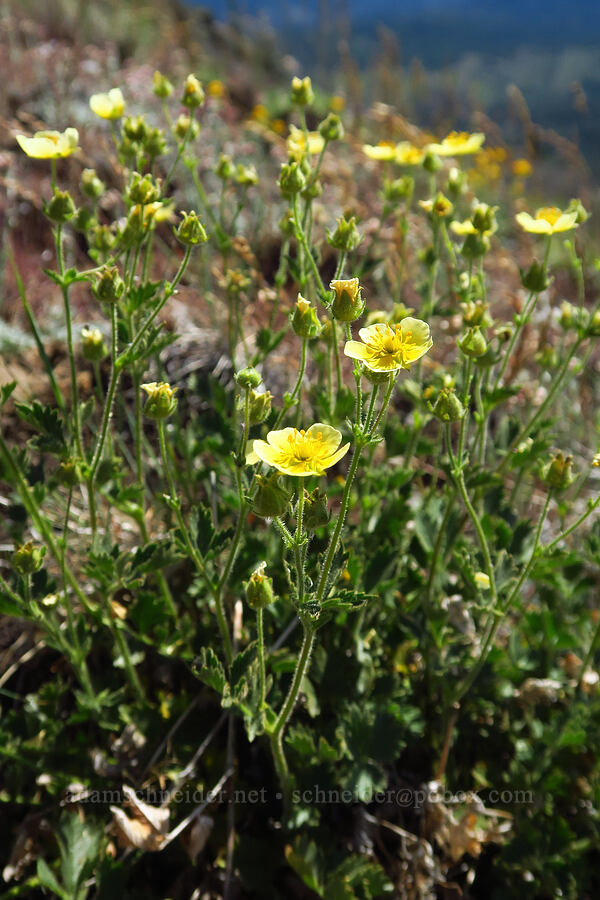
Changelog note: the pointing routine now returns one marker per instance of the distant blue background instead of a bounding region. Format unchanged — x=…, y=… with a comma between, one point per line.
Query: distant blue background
x=549, y=48
x=436, y=31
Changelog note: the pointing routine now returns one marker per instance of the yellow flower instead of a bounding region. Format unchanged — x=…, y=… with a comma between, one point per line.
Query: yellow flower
x=482, y=580
x=548, y=220
x=596, y=460
x=337, y=104
x=296, y=142
x=382, y=151
x=216, y=89
x=522, y=168
x=294, y=452
x=49, y=144
x=108, y=106
x=406, y=154
x=465, y=227
x=387, y=348
x=458, y=144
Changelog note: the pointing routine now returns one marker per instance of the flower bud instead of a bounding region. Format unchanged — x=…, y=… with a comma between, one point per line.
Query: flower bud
x=246, y=175
x=161, y=400
x=304, y=319
x=535, y=279
x=432, y=163
x=316, y=512
x=567, y=315
x=84, y=220
x=398, y=189
x=259, y=588
x=473, y=343
x=190, y=230
x=484, y=219
x=109, y=285
x=91, y=185
x=235, y=281
x=456, y=181
x=248, y=377
x=135, y=129
x=331, y=128
x=60, y=208
x=68, y=473
x=103, y=238
x=302, y=92
x=475, y=245
x=576, y=206
x=259, y=406
x=186, y=126
x=271, y=499
x=558, y=473
x=475, y=312
x=291, y=179
x=161, y=85
x=593, y=326
x=286, y=224
x=143, y=189
x=193, y=95
x=27, y=558
x=93, y=347
x=348, y=304
x=224, y=168
x=346, y=236
x=155, y=143
x=448, y=407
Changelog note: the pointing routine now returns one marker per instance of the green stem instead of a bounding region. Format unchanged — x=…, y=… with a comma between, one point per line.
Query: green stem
x=457, y=472
x=70, y=349
x=194, y=555
x=261, y=660
x=558, y=382
x=592, y=505
x=498, y=615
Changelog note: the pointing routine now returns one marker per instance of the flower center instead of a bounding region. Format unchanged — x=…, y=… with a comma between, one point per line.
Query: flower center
x=549, y=214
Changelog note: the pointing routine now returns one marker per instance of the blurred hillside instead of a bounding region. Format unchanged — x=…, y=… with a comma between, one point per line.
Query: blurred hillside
x=550, y=51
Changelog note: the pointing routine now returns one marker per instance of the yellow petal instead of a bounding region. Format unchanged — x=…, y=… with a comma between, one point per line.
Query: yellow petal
x=461, y=228
x=331, y=460
x=371, y=331
x=330, y=437
x=279, y=439
x=419, y=330
x=265, y=452
x=381, y=151
x=251, y=456
x=356, y=350
x=533, y=226
x=565, y=222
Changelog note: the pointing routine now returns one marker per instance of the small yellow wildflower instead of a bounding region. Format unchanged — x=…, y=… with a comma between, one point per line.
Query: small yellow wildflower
x=49, y=144
x=216, y=89
x=294, y=452
x=440, y=206
x=387, y=348
x=408, y=155
x=548, y=220
x=522, y=168
x=337, y=104
x=482, y=580
x=278, y=126
x=596, y=461
x=297, y=144
x=458, y=144
x=260, y=113
x=384, y=150
x=108, y=106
